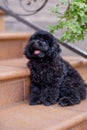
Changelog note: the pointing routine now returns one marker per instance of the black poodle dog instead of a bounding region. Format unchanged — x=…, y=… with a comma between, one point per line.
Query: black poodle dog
x=53, y=80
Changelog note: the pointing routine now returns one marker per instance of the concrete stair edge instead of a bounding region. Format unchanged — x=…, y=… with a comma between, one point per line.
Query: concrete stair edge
x=17, y=68
x=13, y=69
x=41, y=117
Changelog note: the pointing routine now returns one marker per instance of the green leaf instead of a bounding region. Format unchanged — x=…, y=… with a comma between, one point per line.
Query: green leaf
x=64, y=2
x=54, y=10
x=73, y=21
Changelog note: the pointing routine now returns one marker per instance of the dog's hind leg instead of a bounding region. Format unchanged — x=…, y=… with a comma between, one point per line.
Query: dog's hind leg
x=69, y=96
x=68, y=101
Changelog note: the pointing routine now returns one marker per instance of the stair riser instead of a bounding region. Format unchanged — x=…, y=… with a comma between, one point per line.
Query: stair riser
x=12, y=45
x=82, y=126
x=83, y=71
x=11, y=49
x=14, y=91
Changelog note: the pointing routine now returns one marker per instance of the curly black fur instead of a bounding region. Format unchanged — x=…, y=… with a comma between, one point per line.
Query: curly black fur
x=53, y=79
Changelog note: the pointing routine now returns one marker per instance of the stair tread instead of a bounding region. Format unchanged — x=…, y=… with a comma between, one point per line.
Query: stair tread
x=14, y=35
x=14, y=68
x=22, y=116
x=76, y=61
x=18, y=62
x=17, y=68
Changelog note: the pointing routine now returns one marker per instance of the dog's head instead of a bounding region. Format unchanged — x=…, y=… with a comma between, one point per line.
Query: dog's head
x=41, y=45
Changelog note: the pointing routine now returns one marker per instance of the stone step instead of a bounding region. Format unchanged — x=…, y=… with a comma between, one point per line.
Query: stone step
x=15, y=78
x=16, y=114
x=12, y=45
x=14, y=81
x=13, y=69
x=22, y=116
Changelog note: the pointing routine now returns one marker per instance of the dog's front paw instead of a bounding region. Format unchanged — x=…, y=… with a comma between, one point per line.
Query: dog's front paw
x=68, y=101
x=34, y=102
x=65, y=101
x=47, y=103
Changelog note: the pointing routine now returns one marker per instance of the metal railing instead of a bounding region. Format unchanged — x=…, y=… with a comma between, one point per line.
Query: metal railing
x=26, y=7
x=67, y=45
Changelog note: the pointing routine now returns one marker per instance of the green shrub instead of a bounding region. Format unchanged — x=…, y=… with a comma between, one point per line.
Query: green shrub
x=73, y=20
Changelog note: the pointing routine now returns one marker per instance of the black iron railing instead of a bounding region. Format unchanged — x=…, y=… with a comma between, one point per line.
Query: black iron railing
x=25, y=7
x=67, y=45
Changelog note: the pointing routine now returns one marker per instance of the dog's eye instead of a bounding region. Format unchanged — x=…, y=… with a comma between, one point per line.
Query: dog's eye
x=44, y=43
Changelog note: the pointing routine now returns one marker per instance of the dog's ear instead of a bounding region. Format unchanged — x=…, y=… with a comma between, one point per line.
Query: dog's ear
x=56, y=46
x=53, y=43
x=54, y=50
x=26, y=52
